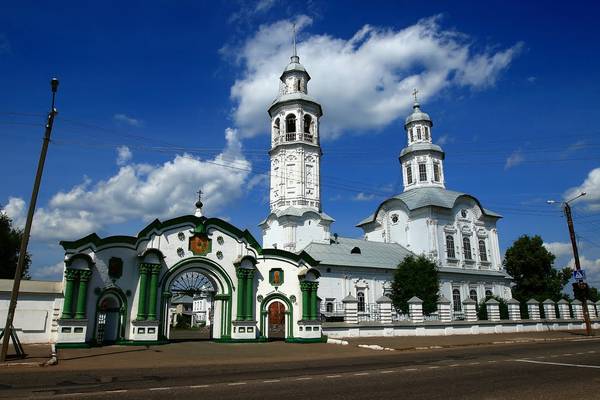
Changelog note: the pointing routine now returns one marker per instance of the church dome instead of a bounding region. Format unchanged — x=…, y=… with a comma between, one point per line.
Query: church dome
x=417, y=115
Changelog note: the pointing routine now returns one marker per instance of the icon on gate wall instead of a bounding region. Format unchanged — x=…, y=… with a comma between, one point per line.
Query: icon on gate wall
x=115, y=268
x=276, y=276
x=200, y=244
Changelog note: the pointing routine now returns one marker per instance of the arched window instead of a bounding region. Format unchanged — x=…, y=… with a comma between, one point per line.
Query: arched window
x=467, y=248
x=329, y=307
x=422, y=172
x=418, y=132
x=276, y=127
x=436, y=172
x=290, y=123
x=412, y=136
x=473, y=295
x=299, y=82
x=361, y=301
x=426, y=133
x=488, y=293
x=409, y=176
x=307, y=122
x=456, y=300
x=482, y=250
x=450, y=247
x=355, y=250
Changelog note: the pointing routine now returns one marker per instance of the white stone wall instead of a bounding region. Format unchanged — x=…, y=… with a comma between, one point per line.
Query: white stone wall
x=295, y=233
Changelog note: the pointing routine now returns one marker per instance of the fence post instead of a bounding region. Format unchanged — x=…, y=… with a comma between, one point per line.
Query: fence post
x=563, y=309
x=533, y=308
x=415, y=309
x=577, y=309
x=469, y=307
x=350, y=309
x=514, y=310
x=493, y=309
x=444, y=309
x=591, y=309
x=385, y=309
x=549, y=309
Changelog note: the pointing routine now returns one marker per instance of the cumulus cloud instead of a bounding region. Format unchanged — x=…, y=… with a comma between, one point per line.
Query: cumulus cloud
x=559, y=249
x=123, y=155
x=591, y=267
x=127, y=120
x=51, y=271
x=141, y=191
x=442, y=140
x=591, y=185
x=514, y=159
x=364, y=197
x=249, y=9
x=363, y=82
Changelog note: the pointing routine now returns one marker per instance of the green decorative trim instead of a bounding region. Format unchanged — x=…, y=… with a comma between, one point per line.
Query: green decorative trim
x=142, y=342
x=84, y=278
x=260, y=339
x=86, y=257
x=83, y=345
x=264, y=313
x=322, y=339
x=302, y=256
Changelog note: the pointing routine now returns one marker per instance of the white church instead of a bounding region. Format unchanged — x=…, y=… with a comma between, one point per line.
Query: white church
x=452, y=228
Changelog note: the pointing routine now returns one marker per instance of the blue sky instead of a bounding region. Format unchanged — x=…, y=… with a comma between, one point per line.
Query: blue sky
x=155, y=97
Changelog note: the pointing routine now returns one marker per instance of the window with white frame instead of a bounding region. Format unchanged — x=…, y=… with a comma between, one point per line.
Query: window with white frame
x=418, y=132
x=436, y=172
x=450, y=247
x=456, y=300
x=473, y=295
x=409, y=177
x=467, y=248
x=422, y=172
x=482, y=250
x=361, y=301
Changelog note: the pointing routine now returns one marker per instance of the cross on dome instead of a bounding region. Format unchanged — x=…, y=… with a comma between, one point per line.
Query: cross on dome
x=414, y=93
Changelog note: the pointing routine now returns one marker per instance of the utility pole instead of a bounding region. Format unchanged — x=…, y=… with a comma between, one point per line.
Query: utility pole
x=581, y=285
x=26, y=232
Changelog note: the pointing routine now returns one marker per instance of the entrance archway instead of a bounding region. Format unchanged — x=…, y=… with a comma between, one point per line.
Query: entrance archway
x=276, y=321
x=110, y=317
x=196, y=301
x=266, y=312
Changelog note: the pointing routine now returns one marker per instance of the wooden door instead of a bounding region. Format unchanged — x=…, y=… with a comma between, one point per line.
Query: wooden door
x=276, y=320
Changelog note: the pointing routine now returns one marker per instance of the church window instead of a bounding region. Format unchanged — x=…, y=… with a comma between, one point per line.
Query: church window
x=473, y=295
x=394, y=218
x=467, y=248
x=436, y=172
x=290, y=123
x=482, y=250
x=409, y=176
x=299, y=83
x=412, y=136
x=276, y=126
x=426, y=129
x=329, y=307
x=463, y=213
x=450, y=247
x=488, y=293
x=418, y=132
x=355, y=250
x=361, y=301
x=422, y=172
x=307, y=123
x=456, y=300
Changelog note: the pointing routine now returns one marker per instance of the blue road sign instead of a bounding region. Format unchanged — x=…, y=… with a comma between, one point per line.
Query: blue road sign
x=579, y=275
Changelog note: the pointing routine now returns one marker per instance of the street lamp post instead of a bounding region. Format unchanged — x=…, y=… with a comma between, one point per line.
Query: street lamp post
x=582, y=285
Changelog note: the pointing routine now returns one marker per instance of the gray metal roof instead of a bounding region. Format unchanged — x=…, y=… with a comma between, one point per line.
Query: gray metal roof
x=372, y=254
x=295, y=66
x=422, y=146
x=426, y=197
x=417, y=115
x=296, y=212
x=295, y=97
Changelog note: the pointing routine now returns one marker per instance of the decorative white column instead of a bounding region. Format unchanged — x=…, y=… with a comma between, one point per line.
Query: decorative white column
x=385, y=309
x=591, y=309
x=533, y=309
x=444, y=308
x=598, y=308
x=415, y=309
x=350, y=309
x=577, y=309
x=563, y=309
x=549, y=309
x=470, y=310
x=514, y=310
x=493, y=310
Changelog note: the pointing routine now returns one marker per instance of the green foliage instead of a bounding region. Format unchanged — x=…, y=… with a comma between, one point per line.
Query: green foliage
x=183, y=321
x=416, y=276
x=10, y=242
x=593, y=294
x=482, y=308
x=532, y=267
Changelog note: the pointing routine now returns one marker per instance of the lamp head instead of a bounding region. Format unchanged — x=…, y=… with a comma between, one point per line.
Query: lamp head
x=54, y=84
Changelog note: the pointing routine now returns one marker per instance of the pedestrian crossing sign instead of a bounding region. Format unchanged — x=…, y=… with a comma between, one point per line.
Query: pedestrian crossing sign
x=579, y=275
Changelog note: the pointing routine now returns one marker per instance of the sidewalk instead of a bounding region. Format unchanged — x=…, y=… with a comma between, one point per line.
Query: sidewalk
x=36, y=354
x=198, y=354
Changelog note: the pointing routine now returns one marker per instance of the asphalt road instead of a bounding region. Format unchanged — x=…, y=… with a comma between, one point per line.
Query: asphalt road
x=555, y=370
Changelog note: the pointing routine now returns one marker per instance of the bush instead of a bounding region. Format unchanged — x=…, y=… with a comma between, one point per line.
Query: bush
x=482, y=308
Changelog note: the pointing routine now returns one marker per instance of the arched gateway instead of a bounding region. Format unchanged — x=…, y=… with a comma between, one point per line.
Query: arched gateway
x=195, y=276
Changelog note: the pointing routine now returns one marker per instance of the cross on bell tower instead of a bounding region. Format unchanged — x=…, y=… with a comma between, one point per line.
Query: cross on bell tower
x=199, y=204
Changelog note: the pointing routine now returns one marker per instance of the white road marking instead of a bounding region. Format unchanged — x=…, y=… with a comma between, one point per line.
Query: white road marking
x=580, y=353
x=361, y=373
x=434, y=367
x=272, y=381
x=492, y=361
x=592, y=351
x=161, y=388
x=303, y=379
x=386, y=372
x=333, y=376
x=541, y=357
x=116, y=391
x=559, y=364
x=410, y=369
x=454, y=365
x=236, y=383
x=474, y=363
x=568, y=354
x=198, y=386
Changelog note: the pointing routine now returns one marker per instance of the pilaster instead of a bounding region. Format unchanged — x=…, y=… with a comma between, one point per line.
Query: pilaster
x=84, y=278
x=70, y=277
x=144, y=269
x=154, y=271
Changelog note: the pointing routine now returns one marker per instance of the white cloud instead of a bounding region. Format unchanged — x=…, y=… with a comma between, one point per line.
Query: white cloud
x=591, y=268
x=531, y=79
x=364, y=197
x=363, y=82
x=249, y=9
x=559, y=249
x=514, y=159
x=127, y=120
x=442, y=140
x=591, y=186
x=51, y=271
x=141, y=191
x=123, y=155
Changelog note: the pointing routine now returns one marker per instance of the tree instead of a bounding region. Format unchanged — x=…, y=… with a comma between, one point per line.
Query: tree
x=10, y=242
x=532, y=267
x=416, y=276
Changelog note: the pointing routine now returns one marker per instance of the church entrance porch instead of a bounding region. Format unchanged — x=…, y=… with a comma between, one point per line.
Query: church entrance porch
x=110, y=314
x=276, y=329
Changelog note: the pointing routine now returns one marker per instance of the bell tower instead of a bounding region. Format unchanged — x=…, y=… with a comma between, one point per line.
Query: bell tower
x=296, y=218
